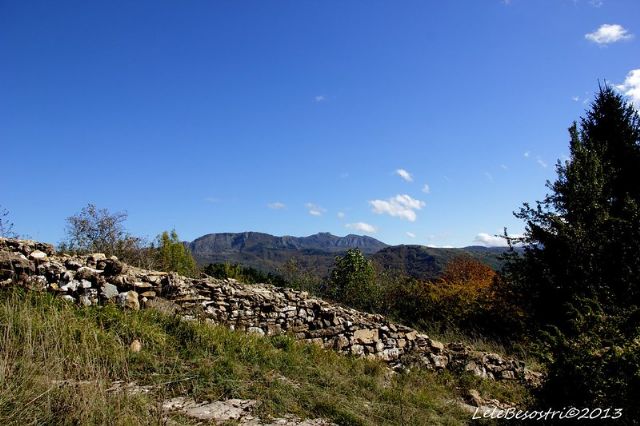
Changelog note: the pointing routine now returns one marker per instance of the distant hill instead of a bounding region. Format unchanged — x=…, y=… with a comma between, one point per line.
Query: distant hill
x=317, y=252
x=268, y=253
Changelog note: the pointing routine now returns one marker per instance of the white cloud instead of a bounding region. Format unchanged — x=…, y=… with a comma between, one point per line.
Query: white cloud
x=490, y=240
x=504, y=167
x=362, y=227
x=575, y=98
x=314, y=210
x=426, y=189
x=596, y=3
x=411, y=234
x=609, y=33
x=320, y=98
x=402, y=206
x=527, y=154
x=341, y=215
x=404, y=175
x=541, y=163
x=276, y=206
x=489, y=176
x=631, y=86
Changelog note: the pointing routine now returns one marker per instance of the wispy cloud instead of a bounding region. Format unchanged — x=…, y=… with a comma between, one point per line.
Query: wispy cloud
x=362, y=227
x=489, y=176
x=402, y=206
x=319, y=98
x=596, y=3
x=541, y=163
x=608, y=33
x=276, y=205
x=315, y=210
x=410, y=234
x=426, y=189
x=631, y=86
x=504, y=167
x=527, y=154
x=404, y=175
x=340, y=215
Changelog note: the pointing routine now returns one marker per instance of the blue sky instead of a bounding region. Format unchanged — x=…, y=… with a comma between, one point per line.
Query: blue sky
x=294, y=117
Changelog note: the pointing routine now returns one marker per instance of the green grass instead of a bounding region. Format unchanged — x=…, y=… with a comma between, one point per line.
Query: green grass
x=44, y=340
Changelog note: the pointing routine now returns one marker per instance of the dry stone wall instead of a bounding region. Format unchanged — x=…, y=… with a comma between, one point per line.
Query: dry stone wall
x=262, y=309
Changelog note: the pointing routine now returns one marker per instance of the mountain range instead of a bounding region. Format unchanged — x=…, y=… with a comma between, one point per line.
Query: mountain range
x=316, y=253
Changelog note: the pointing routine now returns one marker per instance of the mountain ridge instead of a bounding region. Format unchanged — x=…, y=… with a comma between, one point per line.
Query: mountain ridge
x=316, y=253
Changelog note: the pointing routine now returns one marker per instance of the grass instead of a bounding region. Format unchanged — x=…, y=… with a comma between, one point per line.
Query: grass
x=45, y=341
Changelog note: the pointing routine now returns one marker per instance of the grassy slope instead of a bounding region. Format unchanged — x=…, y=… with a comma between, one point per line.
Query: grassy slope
x=44, y=340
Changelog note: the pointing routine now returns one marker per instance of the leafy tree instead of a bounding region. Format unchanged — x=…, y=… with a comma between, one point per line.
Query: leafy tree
x=6, y=226
x=296, y=276
x=579, y=275
x=173, y=256
x=353, y=281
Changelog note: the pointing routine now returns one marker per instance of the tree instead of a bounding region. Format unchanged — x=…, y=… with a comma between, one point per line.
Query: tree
x=579, y=275
x=296, y=276
x=460, y=299
x=95, y=230
x=353, y=281
x=583, y=240
x=173, y=256
x=6, y=226
x=98, y=230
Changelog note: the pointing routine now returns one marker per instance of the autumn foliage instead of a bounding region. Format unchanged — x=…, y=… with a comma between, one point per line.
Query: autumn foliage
x=458, y=299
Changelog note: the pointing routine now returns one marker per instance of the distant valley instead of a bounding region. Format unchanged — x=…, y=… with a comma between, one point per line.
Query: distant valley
x=316, y=253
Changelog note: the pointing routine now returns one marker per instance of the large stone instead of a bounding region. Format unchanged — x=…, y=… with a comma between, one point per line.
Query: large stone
x=86, y=273
x=112, y=267
x=439, y=361
x=366, y=336
x=37, y=255
x=476, y=369
x=256, y=330
x=129, y=300
x=109, y=291
x=97, y=256
x=436, y=346
x=218, y=411
x=13, y=263
x=507, y=375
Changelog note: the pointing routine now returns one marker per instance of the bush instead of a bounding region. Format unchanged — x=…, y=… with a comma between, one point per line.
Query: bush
x=353, y=282
x=173, y=256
